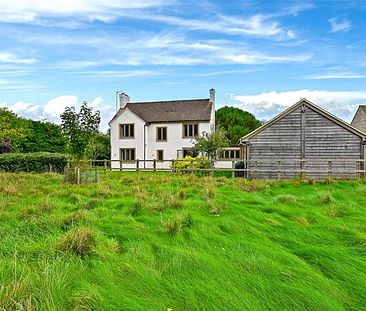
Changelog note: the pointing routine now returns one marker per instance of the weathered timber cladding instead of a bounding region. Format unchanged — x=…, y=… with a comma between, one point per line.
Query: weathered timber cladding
x=280, y=141
x=359, y=120
x=326, y=140
x=307, y=138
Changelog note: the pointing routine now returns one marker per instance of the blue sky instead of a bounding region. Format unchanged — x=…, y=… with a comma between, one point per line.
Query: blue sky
x=261, y=56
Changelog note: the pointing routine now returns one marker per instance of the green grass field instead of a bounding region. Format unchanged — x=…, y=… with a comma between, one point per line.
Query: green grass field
x=145, y=241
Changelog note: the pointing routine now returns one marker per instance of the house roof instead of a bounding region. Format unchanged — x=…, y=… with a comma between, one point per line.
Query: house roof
x=311, y=105
x=171, y=111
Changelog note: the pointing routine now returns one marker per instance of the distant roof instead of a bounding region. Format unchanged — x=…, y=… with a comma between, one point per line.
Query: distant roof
x=171, y=111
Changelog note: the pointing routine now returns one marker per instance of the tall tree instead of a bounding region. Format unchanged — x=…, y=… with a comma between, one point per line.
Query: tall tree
x=11, y=131
x=211, y=144
x=79, y=129
x=236, y=122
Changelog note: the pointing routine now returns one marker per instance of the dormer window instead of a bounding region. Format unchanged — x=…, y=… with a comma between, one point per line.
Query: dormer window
x=126, y=131
x=190, y=130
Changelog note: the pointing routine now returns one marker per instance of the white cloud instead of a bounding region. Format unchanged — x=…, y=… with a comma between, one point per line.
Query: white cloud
x=336, y=76
x=55, y=106
x=266, y=105
x=11, y=58
x=165, y=49
x=339, y=24
x=32, y=11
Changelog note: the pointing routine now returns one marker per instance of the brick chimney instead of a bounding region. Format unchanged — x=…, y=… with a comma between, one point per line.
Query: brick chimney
x=124, y=99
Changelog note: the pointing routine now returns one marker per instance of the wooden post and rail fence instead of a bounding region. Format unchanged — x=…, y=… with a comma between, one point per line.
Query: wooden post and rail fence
x=251, y=169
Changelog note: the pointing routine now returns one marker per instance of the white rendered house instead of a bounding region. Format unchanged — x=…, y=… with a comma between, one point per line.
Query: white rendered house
x=162, y=130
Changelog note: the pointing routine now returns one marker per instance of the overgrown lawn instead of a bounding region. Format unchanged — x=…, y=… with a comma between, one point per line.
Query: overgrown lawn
x=152, y=241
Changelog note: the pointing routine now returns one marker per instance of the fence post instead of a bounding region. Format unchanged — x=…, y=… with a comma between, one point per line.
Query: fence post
x=303, y=171
x=105, y=167
x=191, y=168
x=137, y=165
x=255, y=168
x=279, y=169
x=212, y=168
x=78, y=175
x=329, y=169
x=120, y=165
x=173, y=167
x=96, y=174
x=233, y=168
x=154, y=165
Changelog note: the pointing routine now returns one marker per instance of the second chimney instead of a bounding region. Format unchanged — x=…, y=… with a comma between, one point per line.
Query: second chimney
x=124, y=99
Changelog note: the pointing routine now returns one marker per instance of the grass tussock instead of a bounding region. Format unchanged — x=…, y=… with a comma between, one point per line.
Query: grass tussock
x=79, y=217
x=176, y=224
x=79, y=241
x=325, y=198
x=87, y=300
x=302, y=220
x=286, y=199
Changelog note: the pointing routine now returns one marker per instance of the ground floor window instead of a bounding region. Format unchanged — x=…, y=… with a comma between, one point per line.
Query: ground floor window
x=186, y=152
x=127, y=154
x=232, y=154
x=160, y=155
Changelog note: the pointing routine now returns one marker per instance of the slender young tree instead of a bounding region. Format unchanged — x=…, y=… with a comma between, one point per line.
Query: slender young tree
x=210, y=144
x=79, y=129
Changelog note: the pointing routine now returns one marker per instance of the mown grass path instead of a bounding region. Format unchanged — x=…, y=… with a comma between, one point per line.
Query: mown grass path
x=141, y=241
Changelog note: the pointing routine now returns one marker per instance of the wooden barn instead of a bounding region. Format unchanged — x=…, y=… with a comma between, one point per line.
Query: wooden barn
x=359, y=120
x=304, y=141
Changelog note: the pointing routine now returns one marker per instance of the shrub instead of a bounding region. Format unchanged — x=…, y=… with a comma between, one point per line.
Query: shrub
x=183, y=166
x=33, y=162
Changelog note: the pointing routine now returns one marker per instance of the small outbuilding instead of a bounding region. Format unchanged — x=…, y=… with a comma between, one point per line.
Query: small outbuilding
x=304, y=141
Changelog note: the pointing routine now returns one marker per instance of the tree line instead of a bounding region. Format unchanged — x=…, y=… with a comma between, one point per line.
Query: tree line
x=79, y=135
x=21, y=135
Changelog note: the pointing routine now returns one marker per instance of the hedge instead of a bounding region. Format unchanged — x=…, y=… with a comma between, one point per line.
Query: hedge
x=39, y=162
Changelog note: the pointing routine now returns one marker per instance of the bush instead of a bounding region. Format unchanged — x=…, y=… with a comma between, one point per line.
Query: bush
x=33, y=162
x=183, y=166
